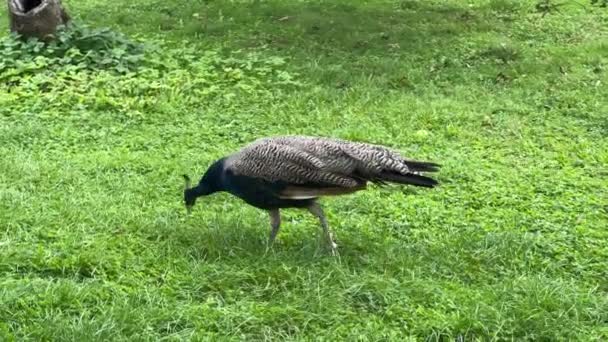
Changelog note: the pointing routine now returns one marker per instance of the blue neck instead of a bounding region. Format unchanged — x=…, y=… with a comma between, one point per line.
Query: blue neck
x=212, y=180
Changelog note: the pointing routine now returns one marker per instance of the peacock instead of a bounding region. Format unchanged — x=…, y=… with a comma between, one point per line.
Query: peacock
x=295, y=171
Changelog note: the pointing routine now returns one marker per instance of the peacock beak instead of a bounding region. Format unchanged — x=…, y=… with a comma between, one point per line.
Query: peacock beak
x=189, y=209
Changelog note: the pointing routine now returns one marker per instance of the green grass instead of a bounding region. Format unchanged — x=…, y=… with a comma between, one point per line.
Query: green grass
x=94, y=243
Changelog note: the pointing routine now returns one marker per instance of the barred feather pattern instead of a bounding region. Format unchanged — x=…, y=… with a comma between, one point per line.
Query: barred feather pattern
x=303, y=159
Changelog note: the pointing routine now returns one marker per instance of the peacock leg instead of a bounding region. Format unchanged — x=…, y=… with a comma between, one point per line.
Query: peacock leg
x=275, y=224
x=316, y=210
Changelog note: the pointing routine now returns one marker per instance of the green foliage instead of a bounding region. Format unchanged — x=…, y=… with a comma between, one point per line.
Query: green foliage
x=96, y=67
x=94, y=243
x=76, y=47
x=601, y=3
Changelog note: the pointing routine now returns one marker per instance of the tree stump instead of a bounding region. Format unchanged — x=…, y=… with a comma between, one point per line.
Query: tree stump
x=36, y=18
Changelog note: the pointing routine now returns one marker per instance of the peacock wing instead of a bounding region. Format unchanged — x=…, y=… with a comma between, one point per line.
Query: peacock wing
x=276, y=162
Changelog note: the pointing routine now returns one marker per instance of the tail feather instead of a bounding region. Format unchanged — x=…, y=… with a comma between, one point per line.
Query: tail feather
x=410, y=178
x=418, y=166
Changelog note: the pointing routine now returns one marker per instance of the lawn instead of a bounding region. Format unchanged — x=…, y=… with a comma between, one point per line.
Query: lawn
x=95, y=243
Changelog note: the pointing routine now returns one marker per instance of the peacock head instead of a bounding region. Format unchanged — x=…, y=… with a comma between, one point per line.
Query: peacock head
x=190, y=195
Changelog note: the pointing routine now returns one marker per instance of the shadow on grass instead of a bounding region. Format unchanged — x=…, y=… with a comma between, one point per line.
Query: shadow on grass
x=309, y=29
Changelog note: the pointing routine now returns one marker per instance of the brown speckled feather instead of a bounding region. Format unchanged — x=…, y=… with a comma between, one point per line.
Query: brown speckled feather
x=322, y=166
